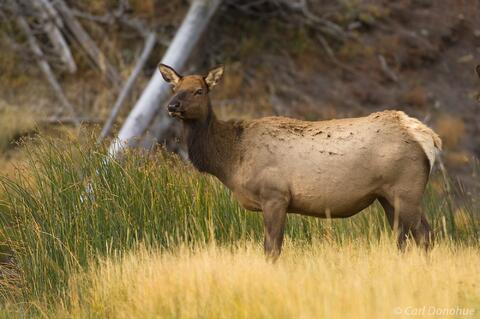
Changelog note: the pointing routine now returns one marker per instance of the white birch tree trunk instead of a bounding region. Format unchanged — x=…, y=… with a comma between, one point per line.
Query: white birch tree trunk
x=157, y=90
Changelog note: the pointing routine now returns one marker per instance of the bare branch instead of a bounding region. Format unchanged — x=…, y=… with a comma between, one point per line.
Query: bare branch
x=324, y=25
x=87, y=43
x=54, y=120
x=147, y=50
x=118, y=16
x=51, y=20
x=42, y=63
x=332, y=56
x=386, y=70
x=104, y=19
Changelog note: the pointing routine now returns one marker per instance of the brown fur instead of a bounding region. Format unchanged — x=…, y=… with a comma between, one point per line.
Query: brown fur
x=330, y=168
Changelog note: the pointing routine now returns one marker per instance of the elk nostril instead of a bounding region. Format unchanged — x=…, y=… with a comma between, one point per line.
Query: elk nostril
x=173, y=106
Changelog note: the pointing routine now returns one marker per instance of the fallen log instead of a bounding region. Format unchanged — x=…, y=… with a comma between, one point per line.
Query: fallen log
x=157, y=90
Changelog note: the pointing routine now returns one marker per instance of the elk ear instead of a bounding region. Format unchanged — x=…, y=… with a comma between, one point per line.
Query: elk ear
x=477, y=69
x=169, y=74
x=214, y=76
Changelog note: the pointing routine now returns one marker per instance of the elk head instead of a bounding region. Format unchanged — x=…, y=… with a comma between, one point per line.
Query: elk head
x=190, y=99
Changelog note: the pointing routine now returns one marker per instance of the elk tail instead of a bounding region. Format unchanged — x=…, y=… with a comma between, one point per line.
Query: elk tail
x=425, y=136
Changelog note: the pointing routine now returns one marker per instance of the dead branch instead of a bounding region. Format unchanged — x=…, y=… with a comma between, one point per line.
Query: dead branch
x=290, y=10
x=87, y=43
x=42, y=63
x=119, y=16
x=103, y=19
x=333, y=58
x=147, y=50
x=54, y=120
x=386, y=70
x=51, y=21
x=324, y=25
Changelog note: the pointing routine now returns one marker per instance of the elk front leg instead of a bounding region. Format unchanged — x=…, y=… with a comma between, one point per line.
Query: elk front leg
x=274, y=216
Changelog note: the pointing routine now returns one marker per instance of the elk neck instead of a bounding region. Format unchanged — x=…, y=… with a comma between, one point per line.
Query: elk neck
x=214, y=146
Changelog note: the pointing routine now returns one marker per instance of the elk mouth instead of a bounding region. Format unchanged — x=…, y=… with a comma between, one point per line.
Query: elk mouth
x=176, y=114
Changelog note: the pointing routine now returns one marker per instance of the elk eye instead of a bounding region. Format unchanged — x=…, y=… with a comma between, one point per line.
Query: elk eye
x=198, y=92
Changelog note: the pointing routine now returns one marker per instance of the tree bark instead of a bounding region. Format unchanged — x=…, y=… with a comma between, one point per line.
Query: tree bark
x=147, y=50
x=157, y=91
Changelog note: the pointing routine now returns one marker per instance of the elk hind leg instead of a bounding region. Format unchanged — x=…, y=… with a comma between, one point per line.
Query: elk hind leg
x=274, y=217
x=394, y=221
x=423, y=234
x=407, y=220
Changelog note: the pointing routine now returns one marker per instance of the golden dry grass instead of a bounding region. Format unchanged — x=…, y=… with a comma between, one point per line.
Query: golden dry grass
x=322, y=280
x=15, y=123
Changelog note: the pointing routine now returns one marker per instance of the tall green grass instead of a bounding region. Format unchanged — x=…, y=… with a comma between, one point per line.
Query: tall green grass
x=71, y=204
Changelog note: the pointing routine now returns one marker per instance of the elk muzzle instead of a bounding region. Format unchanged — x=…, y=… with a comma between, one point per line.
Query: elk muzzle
x=174, y=109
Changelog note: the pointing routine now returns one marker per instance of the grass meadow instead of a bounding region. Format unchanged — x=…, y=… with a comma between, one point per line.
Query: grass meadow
x=83, y=236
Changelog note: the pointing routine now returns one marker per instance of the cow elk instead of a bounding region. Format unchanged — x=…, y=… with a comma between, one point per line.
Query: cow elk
x=332, y=168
